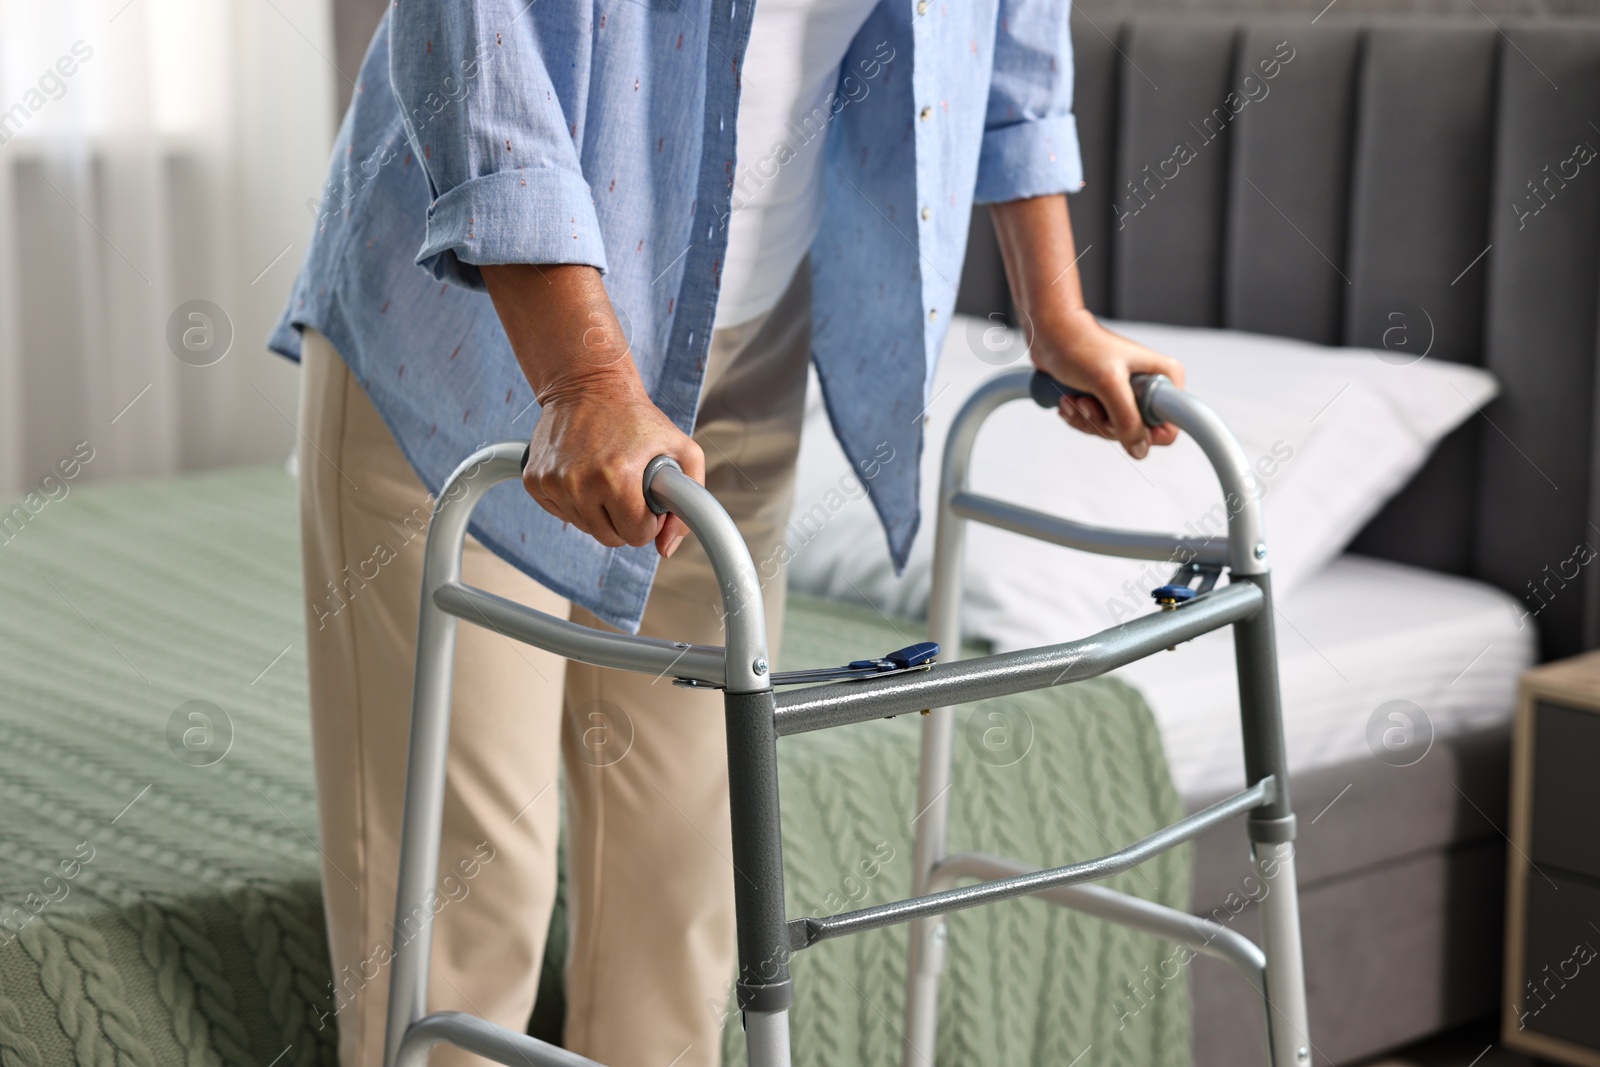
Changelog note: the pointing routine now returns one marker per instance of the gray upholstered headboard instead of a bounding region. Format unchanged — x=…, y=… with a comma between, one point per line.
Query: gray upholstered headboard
x=1367, y=178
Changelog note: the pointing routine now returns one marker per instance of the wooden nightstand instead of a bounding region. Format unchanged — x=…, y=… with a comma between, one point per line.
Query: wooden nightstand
x=1552, y=964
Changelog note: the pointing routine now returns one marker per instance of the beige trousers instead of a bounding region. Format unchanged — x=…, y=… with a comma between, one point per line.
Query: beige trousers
x=650, y=879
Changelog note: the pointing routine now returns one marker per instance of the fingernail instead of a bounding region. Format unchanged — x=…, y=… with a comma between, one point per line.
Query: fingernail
x=1140, y=449
x=672, y=546
x=1086, y=408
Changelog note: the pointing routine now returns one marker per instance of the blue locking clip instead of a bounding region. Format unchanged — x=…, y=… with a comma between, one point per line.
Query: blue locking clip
x=1168, y=597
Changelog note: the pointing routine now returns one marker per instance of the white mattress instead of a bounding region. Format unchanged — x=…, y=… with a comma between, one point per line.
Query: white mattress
x=1359, y=634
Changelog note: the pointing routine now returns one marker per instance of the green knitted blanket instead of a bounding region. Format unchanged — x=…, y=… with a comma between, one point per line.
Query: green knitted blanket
x=158, y=867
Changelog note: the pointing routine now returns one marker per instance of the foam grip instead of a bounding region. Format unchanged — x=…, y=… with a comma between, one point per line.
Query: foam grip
x=1047, y=392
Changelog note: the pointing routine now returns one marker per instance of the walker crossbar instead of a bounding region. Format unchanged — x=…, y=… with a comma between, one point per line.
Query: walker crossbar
x=484, y=1038
x=756, y=716
x=803, y=933
x=582, y=643
x=1086, y=538
x=971, y=680
x=1204, y=936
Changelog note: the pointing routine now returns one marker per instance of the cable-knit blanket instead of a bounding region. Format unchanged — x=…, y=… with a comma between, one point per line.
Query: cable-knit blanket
x=159, y=902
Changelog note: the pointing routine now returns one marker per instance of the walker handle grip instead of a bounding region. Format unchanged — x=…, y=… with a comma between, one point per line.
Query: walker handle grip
x=1047, y=392
x=650, y=470
x=650, y=475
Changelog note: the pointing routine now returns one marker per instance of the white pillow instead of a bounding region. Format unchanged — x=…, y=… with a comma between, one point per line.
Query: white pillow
x=1334, y=433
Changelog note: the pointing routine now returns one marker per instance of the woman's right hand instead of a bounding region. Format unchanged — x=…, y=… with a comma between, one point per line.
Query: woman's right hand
x=598, y=429
x=587, y=458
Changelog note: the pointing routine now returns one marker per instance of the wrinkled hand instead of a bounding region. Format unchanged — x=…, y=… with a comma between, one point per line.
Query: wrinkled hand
x=587, y=458
x=1076, y=350
x=598, y=429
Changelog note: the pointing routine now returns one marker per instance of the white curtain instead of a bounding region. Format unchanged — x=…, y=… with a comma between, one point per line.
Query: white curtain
x=153, y=153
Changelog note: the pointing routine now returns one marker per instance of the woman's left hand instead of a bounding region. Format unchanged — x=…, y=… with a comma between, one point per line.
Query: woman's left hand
x=1073, y=348
x=1065, y=340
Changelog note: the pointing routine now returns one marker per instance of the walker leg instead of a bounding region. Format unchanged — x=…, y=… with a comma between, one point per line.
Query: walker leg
x=766, y=1038
x=421, y=826
x=1272, y=832
x=1288, y=1030
x=423, y=814
x=764, y=989
x=927, y=938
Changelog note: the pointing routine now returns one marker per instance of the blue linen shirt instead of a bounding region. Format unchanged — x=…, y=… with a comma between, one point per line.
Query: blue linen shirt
x=602, y=132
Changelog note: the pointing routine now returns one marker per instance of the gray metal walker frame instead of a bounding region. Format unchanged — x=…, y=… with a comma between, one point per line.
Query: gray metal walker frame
x=757, y=715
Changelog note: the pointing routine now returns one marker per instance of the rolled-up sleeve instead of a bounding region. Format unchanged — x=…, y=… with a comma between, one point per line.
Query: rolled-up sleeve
x=489, y=126
x=1030, y=139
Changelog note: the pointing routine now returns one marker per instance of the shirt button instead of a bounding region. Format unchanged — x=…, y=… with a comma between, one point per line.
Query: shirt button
x=927, y=113
x=926, y=214
x=933, y=313
x=922, y=7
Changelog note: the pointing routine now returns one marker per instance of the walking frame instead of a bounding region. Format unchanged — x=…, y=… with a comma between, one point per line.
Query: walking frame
x=897, y=684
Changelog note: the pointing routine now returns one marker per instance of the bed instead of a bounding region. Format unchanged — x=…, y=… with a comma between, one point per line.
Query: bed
x=159, y=878
x=1361, y=634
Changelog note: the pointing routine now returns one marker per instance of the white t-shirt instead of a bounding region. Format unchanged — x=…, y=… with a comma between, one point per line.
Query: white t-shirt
x=789, y=75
